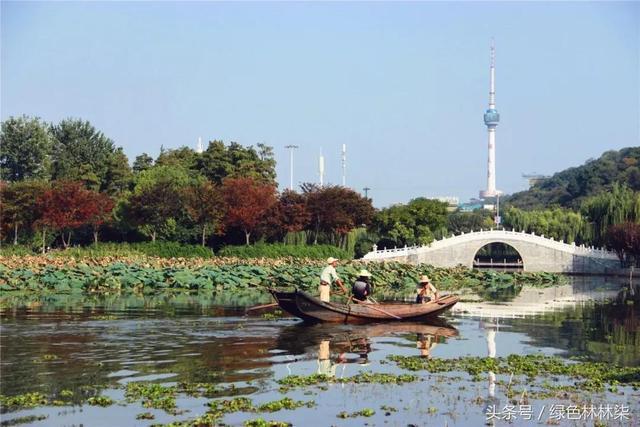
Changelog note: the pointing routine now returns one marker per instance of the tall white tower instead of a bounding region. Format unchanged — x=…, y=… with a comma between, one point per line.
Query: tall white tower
x=200, y=147
x=491, y=119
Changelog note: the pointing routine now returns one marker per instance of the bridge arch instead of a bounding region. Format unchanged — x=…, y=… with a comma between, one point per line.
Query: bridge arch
x=498, y=254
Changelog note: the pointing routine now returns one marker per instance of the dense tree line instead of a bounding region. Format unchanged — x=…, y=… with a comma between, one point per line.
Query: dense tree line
x=68, y=183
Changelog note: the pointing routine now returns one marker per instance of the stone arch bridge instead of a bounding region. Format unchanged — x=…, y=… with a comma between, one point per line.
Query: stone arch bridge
x=538, y=253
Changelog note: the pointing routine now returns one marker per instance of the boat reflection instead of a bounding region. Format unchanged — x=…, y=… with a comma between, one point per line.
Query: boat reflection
x=351, y=344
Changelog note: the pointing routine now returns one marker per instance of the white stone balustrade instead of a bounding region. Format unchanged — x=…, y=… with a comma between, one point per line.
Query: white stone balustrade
x=529, y=245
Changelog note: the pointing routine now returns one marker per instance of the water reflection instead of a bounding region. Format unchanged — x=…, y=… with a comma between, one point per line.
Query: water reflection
x=65, y=342
x=97, y=344
x=490, y=328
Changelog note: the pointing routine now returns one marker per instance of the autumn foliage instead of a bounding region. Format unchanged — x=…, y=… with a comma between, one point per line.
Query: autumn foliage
x=624, y=240
x=205, y=206
x=247, y=202
x=69, y=205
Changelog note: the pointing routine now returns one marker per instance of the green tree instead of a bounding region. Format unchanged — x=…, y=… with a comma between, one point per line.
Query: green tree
x=413, y=223
x=183, y=157
x=465, y=222
x=25, y=148
x=235, y=161
x=119, y=177
x=156, y=203
x=142, y=163
x=558, y=223
x=81, y=153
x=619, y=205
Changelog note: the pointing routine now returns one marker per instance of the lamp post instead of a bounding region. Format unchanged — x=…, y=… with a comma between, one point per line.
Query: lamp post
x=366, y=192
x=498, y=219
x=291, y=147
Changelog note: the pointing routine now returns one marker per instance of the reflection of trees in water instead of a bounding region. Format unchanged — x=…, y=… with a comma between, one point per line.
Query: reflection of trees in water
x=600, y=331
x=82, y=357
x=164, y=303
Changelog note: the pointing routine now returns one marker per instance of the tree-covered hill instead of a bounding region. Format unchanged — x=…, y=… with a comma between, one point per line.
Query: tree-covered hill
x=570, y=187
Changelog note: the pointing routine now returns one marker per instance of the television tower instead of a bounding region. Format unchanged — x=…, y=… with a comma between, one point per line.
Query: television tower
x=491, y=119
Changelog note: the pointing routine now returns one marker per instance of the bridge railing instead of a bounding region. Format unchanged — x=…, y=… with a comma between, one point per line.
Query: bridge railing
x=509, y=234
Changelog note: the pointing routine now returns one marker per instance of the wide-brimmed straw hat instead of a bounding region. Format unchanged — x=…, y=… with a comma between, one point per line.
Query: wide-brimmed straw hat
x=331, y=260
x=364, y=273
x=424, y=279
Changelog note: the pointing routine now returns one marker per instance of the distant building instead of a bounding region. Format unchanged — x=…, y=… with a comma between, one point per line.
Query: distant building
x=534, y=178
x=471, y=205
x=451, y=201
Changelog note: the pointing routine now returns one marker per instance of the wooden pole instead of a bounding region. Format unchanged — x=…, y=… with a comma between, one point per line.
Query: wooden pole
x=258, y=307
x=383, y=311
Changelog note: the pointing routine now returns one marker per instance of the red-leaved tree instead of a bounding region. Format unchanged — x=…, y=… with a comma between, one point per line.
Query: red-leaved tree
x=293, y=211
x=624, y=239
x=65, y=207
x=336, y=210
x=102, y=210
x=247, y=202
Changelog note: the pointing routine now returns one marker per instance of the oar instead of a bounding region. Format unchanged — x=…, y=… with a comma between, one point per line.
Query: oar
x=258, y=307
x=383, y=311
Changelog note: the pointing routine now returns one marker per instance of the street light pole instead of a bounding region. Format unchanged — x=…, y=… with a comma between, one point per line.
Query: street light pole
x=366, y=192
x=291, y=147
x=498, y=219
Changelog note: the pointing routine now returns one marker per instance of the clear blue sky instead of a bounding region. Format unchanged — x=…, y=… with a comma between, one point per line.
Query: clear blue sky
x=404, y=85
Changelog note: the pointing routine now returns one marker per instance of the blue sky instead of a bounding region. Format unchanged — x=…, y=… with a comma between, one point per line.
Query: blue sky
x=404, y=85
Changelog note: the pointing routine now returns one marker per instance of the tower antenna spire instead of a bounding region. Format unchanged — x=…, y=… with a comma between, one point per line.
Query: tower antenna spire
x=492, y=72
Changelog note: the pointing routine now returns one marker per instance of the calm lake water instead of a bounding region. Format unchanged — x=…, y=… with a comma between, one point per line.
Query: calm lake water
x=99, y=344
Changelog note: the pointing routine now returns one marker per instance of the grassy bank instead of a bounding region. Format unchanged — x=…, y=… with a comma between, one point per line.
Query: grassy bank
x=153, y=274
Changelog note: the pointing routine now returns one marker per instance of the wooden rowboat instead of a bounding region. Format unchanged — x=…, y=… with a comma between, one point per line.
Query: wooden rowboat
x=311, y=309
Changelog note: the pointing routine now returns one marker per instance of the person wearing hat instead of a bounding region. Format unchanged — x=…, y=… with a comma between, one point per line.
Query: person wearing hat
x=361, y=289
x=426, y=290
x=327, y=277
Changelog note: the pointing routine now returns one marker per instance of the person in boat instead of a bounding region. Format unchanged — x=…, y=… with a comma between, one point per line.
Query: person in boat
x=426, y=290
x=361, y=289
x=327, y=278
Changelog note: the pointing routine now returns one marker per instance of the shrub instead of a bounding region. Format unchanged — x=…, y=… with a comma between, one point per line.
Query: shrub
x=157, y=249
x=278, y=250
x=15, y=250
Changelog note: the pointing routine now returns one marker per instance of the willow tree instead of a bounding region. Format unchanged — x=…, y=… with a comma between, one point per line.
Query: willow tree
x=617, y=206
